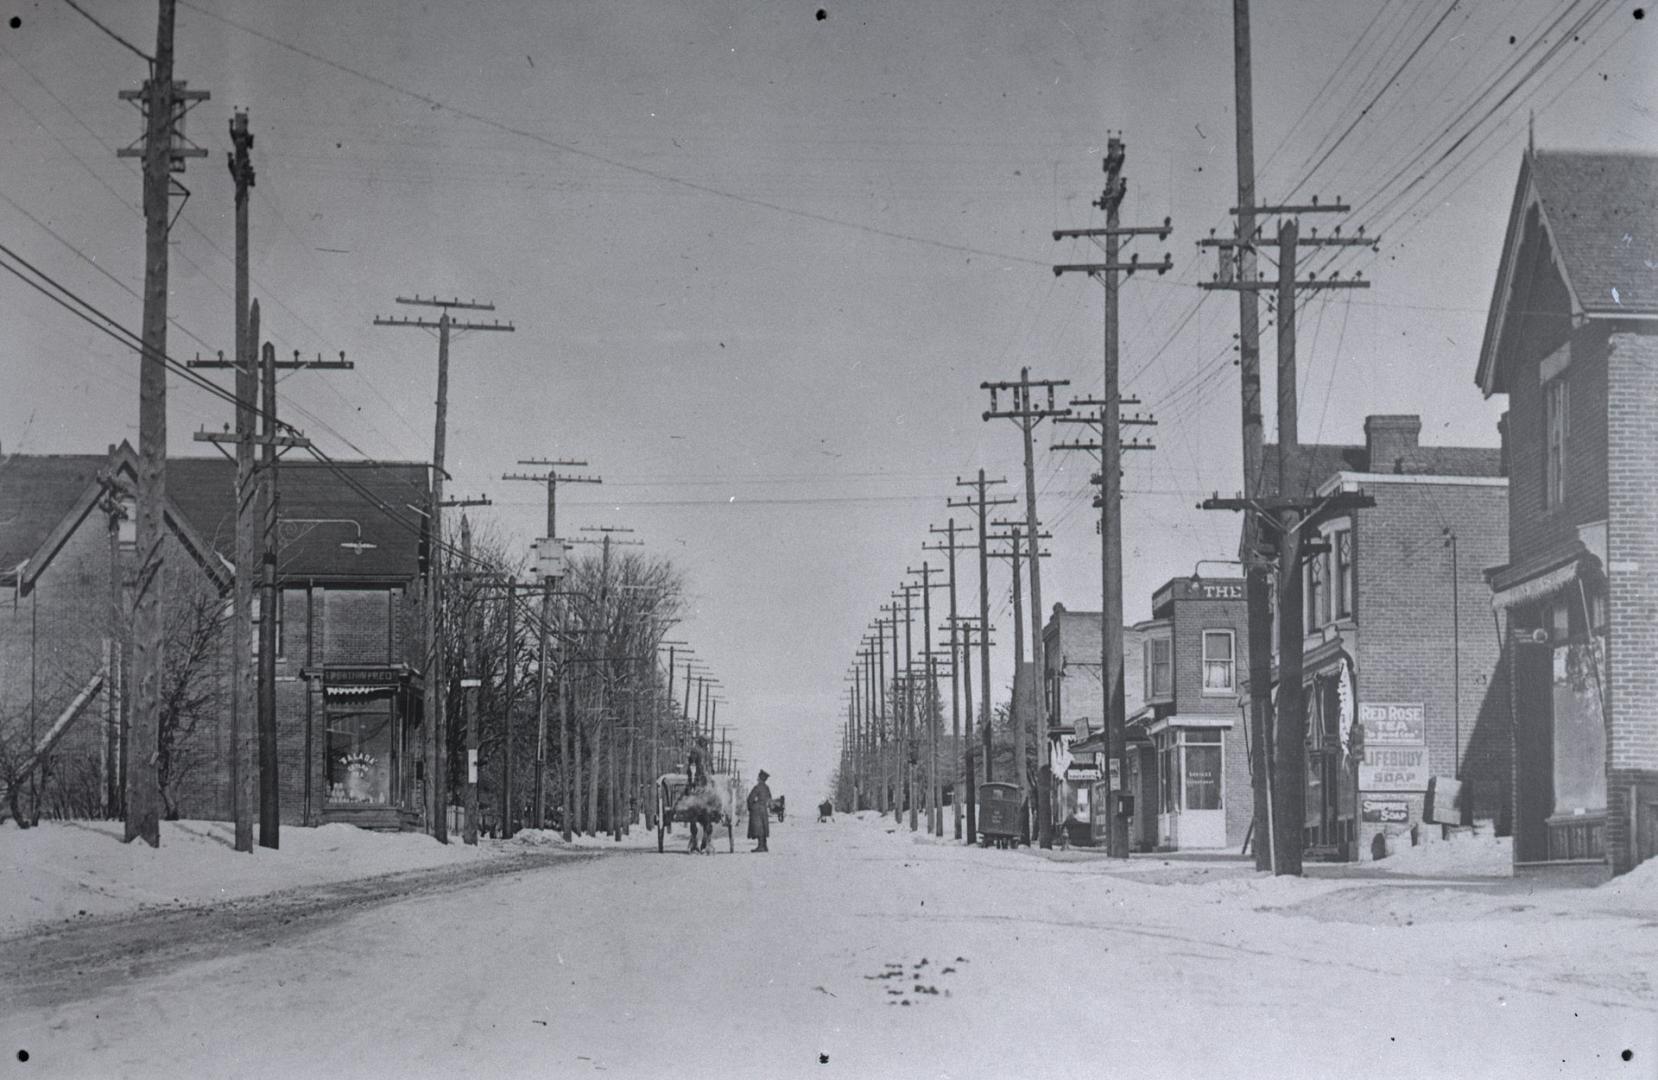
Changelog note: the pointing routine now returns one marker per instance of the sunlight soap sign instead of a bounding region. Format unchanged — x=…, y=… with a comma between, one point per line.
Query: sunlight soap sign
x=1395, y=747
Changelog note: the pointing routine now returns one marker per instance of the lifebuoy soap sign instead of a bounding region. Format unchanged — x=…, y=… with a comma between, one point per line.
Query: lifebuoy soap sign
x=1395, y=746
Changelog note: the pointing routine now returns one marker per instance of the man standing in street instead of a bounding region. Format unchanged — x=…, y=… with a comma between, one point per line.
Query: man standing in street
x=759, y=811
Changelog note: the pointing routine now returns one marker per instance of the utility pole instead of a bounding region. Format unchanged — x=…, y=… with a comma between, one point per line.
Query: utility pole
x=1285, y=519
x=163, y=104
x=600, y=741
x=1017, y=553
x=966, y=625
x=551, y=478
x=1028, y=412
x=1113, y=712
x=935, y=811
x=909, y=748
x=435, y=681
x=470, y=682
x=951, y=547
x=258, y=507
x=506, y=829
x=1109, y=449
x=896, y=713
x=884, y=765
x=981, y=503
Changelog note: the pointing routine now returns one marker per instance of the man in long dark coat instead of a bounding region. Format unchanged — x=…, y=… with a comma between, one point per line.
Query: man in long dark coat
x=759, y=811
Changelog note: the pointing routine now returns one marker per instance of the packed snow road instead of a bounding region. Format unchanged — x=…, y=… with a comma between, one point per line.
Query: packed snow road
x=852, y=949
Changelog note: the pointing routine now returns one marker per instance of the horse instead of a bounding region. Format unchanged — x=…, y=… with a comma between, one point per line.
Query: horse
x=825, y=811
x=701, y=809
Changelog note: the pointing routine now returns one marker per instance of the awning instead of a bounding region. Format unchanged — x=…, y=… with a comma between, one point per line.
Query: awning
x=366, y=680
x=1541, y=576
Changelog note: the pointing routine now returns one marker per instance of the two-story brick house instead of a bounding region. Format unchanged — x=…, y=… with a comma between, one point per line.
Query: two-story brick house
x=1188, y=755
x=1076, y=712
x=1397, y=637
x=347, y=679
x=1571, y=339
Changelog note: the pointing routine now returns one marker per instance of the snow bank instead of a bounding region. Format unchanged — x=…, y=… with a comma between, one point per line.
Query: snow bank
x=1464, y=854
x=71, y=869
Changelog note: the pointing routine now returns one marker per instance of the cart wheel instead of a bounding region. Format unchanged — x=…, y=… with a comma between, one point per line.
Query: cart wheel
x=659, y=830
x=730, y=837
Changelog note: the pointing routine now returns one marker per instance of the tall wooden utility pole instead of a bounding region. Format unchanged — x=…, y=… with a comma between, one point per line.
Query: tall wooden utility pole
x=506, y=830
x=258, y=511
x=163, y=104
x=1284, y=519
x=1113, y=715
x=980, y=502
x=551, y=478
x=895, y=713
x=909, y=749
x=1257, y=569
x=1110, y=449
x=470, y=682
x=885, y=763
x=950, y=547
x=967, y=625
x=243, y=701
x=1017, y=553
x=435, y=683
x=935, y=812
x=1028, y=412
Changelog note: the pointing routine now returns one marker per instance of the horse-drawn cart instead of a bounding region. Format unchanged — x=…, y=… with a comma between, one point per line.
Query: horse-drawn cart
x=700, y=808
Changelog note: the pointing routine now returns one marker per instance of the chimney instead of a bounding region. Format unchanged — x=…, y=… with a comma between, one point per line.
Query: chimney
x=1389, y=440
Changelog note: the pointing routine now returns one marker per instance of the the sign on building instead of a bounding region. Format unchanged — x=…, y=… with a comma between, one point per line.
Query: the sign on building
x=549, y=558
x=1384, y=811
x=1394, y=724
x=1394, y=768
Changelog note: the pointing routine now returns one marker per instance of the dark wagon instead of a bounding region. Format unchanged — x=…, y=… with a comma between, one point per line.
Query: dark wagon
x=1001, y=815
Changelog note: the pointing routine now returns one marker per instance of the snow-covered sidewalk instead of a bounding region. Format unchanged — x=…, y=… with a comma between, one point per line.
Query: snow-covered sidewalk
x=66, y=870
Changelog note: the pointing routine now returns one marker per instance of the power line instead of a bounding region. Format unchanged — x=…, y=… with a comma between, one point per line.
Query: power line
x=148, y=59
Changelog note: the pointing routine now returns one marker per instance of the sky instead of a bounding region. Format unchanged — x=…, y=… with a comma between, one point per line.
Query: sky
x=759, y=259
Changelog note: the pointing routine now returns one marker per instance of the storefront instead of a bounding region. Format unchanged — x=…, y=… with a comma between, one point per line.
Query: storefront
x=1558, y=640
x=1191, y=781
x=370, y=760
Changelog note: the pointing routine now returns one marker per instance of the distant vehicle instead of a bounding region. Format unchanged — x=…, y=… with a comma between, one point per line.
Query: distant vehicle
x=826, y=811
x=1001, y=810
x=777, y=807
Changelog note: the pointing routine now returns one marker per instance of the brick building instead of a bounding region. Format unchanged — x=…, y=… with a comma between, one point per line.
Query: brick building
x=1076, y=714
x=1188, y=753
x=1571, y=339
x=347, y=682
x=1398, y=637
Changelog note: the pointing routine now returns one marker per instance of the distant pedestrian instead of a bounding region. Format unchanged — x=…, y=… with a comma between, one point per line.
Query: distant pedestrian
x=759, y=811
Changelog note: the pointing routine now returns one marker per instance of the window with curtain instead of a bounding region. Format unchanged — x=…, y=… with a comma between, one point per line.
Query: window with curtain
x=1159, y=668
x=1219, y=666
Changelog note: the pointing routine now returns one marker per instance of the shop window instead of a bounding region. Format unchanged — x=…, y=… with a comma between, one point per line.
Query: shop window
x=1341, y=580
x=1556, y=427
x=1219, y=665
x=359, y=757
x=1201, y=778
x=1159, y=668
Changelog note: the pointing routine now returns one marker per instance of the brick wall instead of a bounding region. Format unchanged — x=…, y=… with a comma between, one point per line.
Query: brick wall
x=1632, y=573
x=357, y=626
x=1532, y=527
x=1407, y=639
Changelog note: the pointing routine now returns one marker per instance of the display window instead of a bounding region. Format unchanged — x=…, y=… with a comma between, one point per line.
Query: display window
x=359, y=757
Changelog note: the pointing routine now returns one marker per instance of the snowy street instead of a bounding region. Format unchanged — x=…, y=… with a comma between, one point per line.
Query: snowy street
x=855, y=950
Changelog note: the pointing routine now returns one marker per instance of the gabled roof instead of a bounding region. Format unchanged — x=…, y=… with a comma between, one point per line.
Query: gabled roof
x=1599, y=213
x=43, y=498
